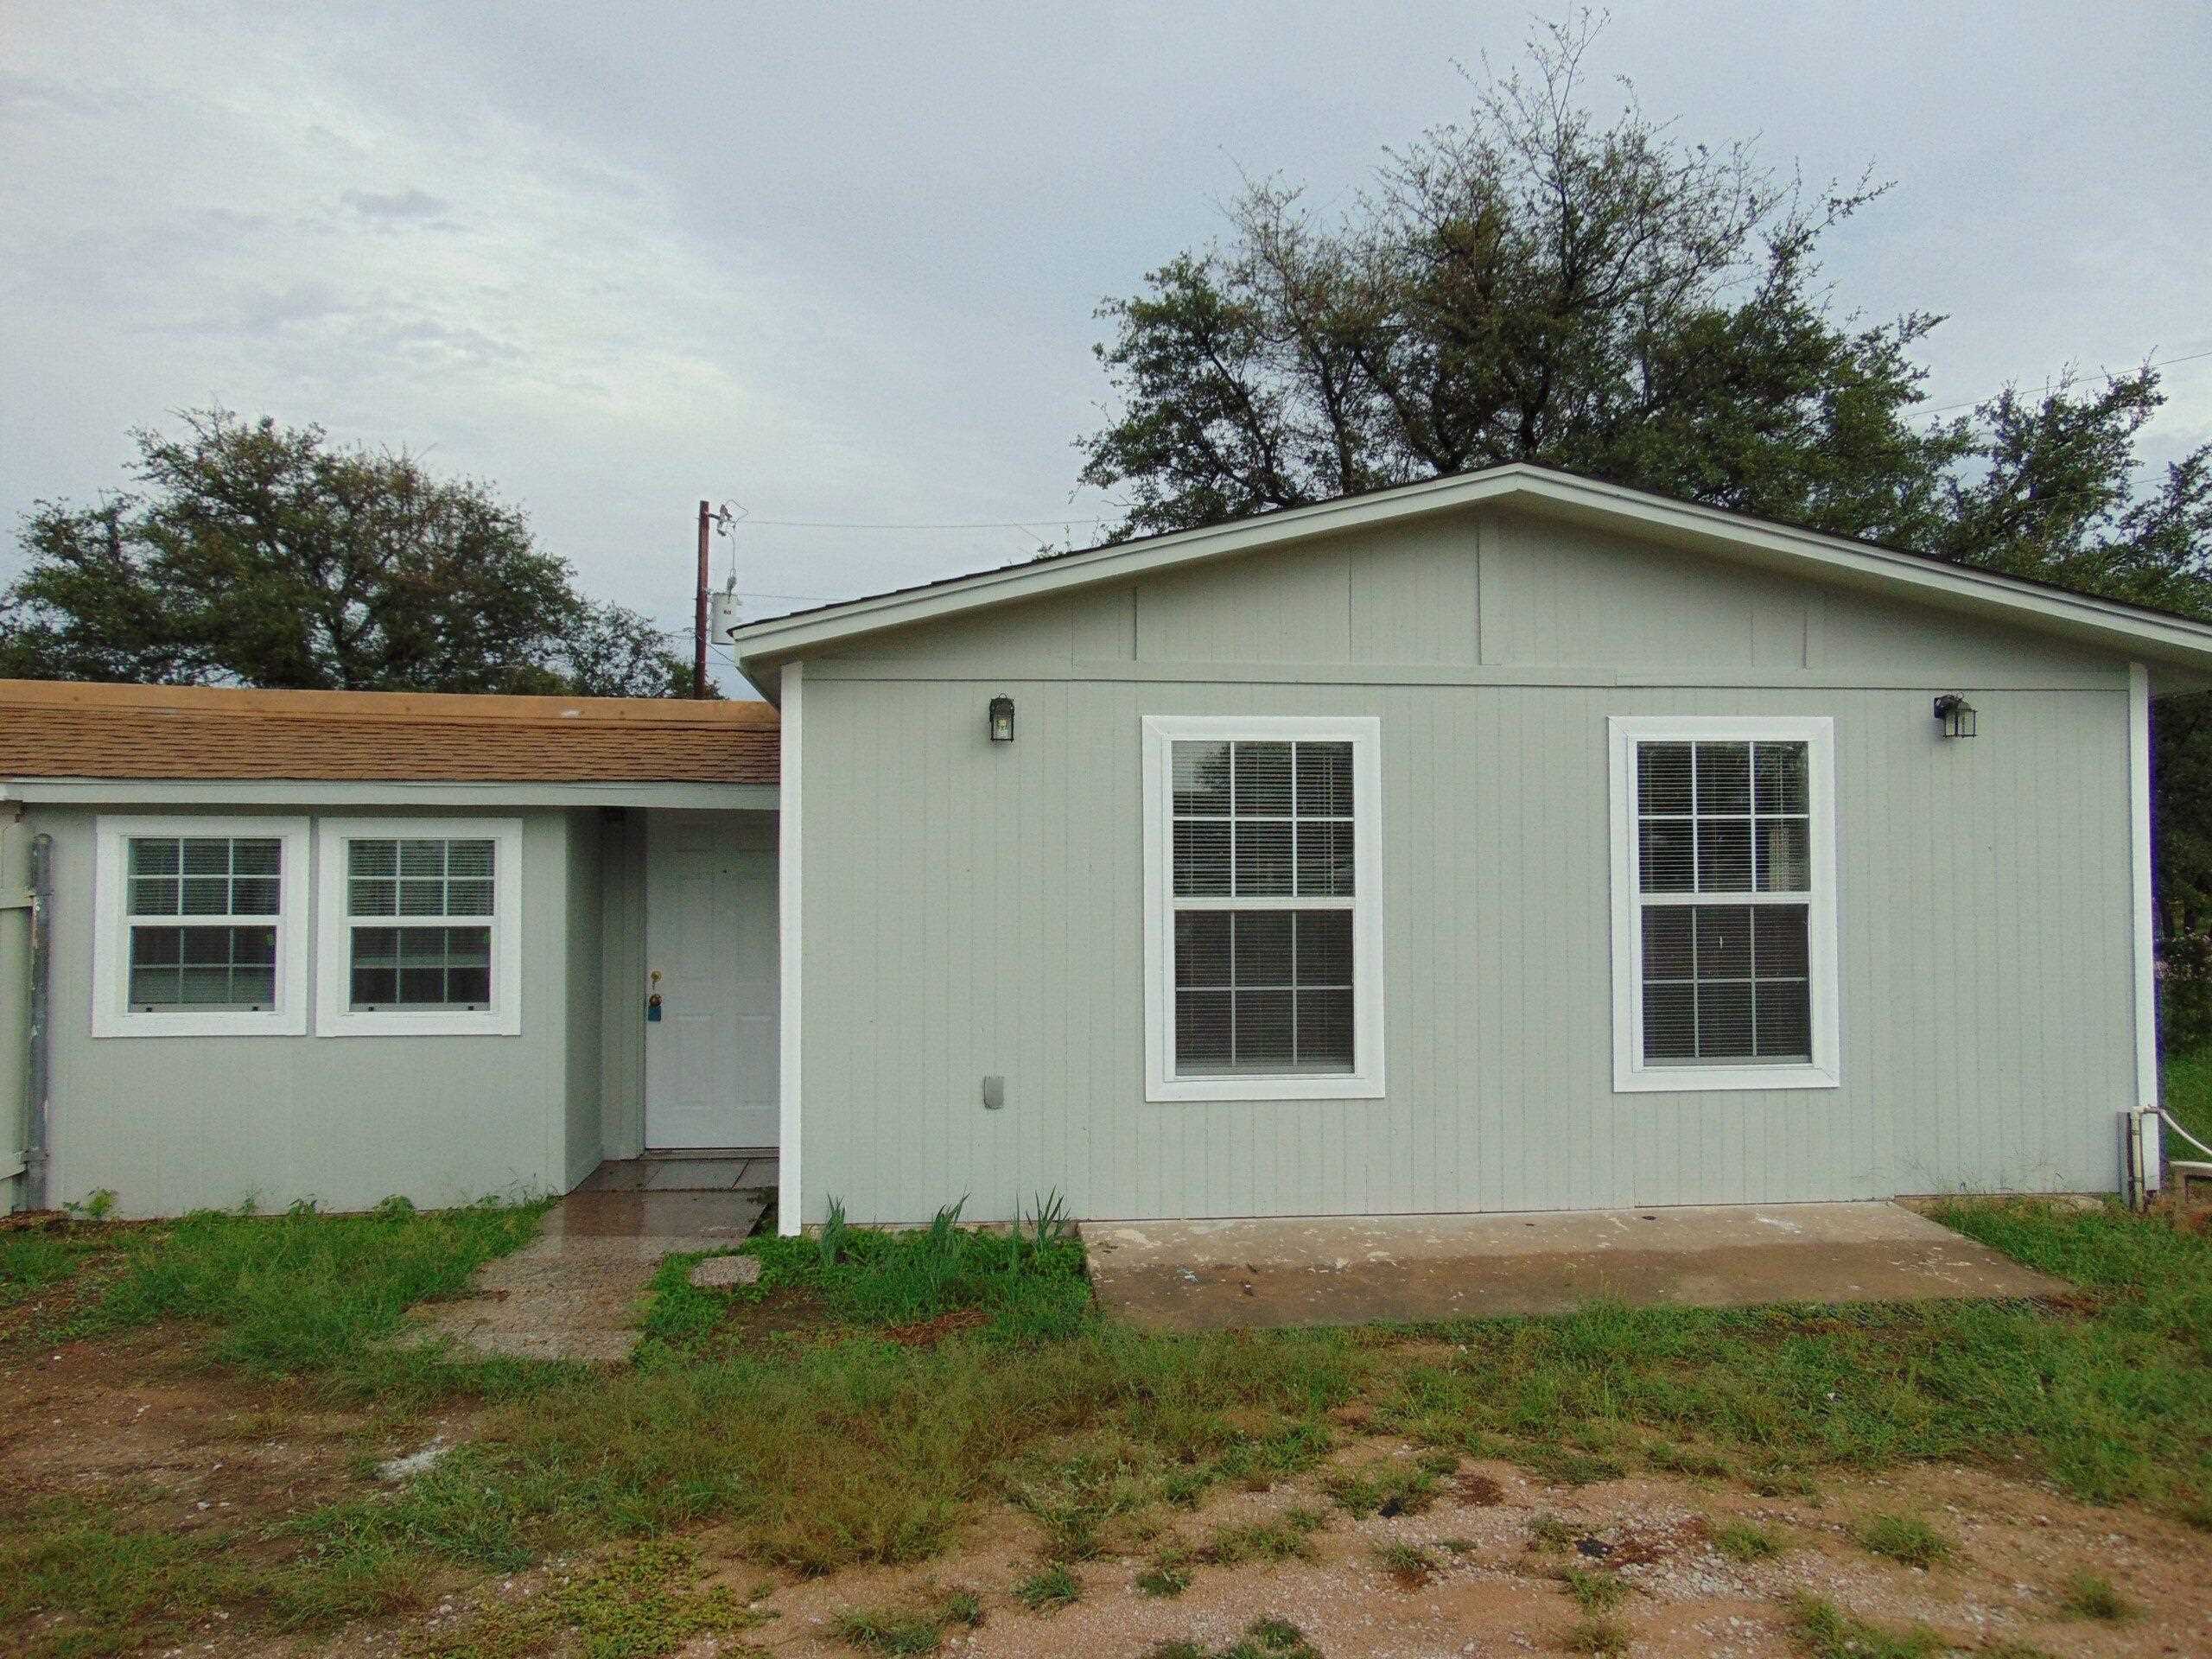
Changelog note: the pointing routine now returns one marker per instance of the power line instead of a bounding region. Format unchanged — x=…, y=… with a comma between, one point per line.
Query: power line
x=2092, y=380
x=964, y=524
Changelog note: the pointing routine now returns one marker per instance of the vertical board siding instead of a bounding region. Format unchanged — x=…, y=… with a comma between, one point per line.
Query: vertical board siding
x=975, y=909
x=171, y=1124
x=993, y=925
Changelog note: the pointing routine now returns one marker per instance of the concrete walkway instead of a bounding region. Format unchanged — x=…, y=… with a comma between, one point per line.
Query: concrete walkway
x=575, y=1291
x=1214, y=1274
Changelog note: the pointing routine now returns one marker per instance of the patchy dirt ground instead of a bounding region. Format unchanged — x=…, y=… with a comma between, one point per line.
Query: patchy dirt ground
x=1493, y=1593
x=188, y=1448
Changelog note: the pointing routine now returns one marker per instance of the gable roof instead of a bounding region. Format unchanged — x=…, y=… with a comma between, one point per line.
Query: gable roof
x=2132, y=630
x=79, y=730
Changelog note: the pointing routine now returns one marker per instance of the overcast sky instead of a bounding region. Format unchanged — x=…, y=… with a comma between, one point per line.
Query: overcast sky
x=838, y=264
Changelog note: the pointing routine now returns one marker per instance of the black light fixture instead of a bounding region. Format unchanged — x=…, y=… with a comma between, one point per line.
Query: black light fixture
x=1956, y=714
x=1001, y=724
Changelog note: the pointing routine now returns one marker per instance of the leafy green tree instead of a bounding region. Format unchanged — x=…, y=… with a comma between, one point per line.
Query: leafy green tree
x=1529, y=286
x=262, y=554
x=1537, y=285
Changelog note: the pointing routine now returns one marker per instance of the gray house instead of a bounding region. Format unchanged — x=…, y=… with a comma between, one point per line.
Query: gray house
x=1506, y=842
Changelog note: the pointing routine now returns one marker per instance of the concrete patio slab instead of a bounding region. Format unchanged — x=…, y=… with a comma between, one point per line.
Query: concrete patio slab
x=574, y=1291
x=1329, y=1270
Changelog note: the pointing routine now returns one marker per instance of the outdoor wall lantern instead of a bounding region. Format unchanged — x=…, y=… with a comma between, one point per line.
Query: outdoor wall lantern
x=1001, y=720
x=1956, y=714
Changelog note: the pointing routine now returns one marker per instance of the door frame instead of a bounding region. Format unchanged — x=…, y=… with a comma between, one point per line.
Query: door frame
x=745, y=843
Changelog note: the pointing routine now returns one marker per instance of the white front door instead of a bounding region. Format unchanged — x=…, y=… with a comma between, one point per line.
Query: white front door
x=711, y=1074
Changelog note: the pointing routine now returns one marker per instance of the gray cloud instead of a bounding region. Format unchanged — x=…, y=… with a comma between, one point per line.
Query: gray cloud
x=840, y=263
x=400, y=207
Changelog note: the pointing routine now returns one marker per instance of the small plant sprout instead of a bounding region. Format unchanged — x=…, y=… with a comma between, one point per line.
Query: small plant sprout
x=832, y=1242
x=1410, y=1564
x=1167, y=1575
x=96, y=1205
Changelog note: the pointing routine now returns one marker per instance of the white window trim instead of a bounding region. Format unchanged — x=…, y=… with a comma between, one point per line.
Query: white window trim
x=335, y=1016
x=1631, y=1074
x=1364, y=1081
x=112, y=1015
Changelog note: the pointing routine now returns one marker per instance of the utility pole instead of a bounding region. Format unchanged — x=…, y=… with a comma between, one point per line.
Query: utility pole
x=699, y=611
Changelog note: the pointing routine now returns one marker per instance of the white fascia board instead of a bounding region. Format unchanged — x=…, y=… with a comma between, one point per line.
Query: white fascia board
x=763, y=645
x=286, y=793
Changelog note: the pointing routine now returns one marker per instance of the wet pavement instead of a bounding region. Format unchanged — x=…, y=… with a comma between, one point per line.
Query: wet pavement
x=576, y=1291
x=1218, y=1275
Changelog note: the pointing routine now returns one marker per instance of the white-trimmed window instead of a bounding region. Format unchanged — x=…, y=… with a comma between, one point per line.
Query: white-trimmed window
x=1263, y=908
x=202, y=927
x=420, y=927
x=1724, y=904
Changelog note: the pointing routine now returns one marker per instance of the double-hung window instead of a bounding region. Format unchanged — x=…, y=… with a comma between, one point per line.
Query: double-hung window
x=1724, y=904
x=202, y=927
x=419, y=927
x=1263, y=909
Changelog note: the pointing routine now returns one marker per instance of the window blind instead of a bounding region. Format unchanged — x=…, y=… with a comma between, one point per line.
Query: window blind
x=410, y=963
x=203, y=914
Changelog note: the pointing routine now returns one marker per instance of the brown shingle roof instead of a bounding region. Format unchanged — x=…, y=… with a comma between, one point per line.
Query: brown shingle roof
x=69, y=729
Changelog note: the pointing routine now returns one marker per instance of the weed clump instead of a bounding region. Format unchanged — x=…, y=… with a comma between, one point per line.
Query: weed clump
x=1905, y=1539
x=1049, y=1590
x=1745, y=1541
x=2089, y=1595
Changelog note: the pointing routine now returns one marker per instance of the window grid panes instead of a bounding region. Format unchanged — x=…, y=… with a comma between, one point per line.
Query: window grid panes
x=412, y=964
x=1725, y=982
x=1261, y=854
x=201, y=915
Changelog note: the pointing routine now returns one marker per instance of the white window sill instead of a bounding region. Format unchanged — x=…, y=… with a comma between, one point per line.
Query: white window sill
x=1332, y=1087
x=274, y=1024
x=488, y=1023
x=1707, y=1079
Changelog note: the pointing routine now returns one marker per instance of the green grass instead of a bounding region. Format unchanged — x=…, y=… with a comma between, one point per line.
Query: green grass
x=35, y=1259
x=2188, y=1098
x=1905, y=1539
x=302, y=1293
x=2088, y=1595
x=1607, y=1638
x=1168, y=1573
x=1391, y=1486
x=1263, y=1638
x=1049, y=1590
x=1745, y=1541
x=1825, y=1631
x=2099, y=1402
x=848, y=1448
x=1287, y=1537
x=1409, y=1562
x=1028, y=1281
x=909, y=1629
x=114, y=1583
x=1594, y=1593
x=1549, y=1531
